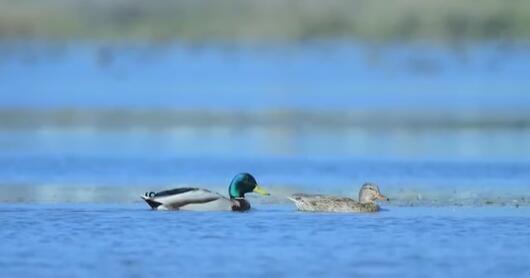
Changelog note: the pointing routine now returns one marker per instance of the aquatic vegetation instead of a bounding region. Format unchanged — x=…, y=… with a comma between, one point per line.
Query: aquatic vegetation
x=244, y=21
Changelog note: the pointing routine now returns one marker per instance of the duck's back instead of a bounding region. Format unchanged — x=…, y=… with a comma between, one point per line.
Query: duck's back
x=323, y=203
x=188, y=198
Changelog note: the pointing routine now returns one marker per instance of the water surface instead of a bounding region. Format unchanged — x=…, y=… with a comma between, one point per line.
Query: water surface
x=86, y=129
x=84, y=240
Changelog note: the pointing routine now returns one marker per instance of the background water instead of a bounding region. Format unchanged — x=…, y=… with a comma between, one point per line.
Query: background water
x=90, y=128
x=323, y=76
x=55, y=166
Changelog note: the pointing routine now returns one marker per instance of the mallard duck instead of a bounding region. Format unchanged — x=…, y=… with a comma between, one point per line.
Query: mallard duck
x=368, y=194
x=199, y=199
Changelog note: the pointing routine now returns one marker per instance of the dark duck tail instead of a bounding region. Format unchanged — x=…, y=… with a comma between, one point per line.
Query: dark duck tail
x=152, y=203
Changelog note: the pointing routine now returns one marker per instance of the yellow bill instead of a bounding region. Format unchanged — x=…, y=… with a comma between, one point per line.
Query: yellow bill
x=260, y=190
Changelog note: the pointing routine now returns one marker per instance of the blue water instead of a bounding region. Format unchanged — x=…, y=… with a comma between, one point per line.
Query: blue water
x=70, y=206
x=459, y=183
x=83, y=240
x=315, y=76
x=431, y=167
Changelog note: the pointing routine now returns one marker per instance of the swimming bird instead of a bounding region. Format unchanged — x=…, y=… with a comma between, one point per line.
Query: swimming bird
x=368, y=194
x=199, y=199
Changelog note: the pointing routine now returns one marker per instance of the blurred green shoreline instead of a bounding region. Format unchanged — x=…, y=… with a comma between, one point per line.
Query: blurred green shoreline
x=450, y=21
x=169, y=118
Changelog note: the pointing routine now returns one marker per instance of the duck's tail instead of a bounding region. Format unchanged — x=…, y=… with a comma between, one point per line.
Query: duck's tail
x=152, y=203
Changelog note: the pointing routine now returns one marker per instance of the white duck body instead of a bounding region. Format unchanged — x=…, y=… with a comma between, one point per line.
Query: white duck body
x=189, y=198
x=198, y=199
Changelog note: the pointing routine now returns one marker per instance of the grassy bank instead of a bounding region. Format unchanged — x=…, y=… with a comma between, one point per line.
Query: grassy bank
x=256, y=21
x=164, y=119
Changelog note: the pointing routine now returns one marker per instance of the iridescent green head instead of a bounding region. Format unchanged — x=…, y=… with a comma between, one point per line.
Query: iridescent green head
x=244, y=183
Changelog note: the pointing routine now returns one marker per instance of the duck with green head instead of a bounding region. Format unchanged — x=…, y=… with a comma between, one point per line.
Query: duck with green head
x=199, y=199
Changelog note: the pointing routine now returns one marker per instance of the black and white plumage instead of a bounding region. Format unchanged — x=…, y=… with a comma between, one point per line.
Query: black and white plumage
x=192, y=198
x=199, y=199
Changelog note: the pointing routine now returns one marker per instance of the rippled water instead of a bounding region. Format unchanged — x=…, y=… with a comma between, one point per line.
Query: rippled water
x=459, y=182
x=83, y=240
